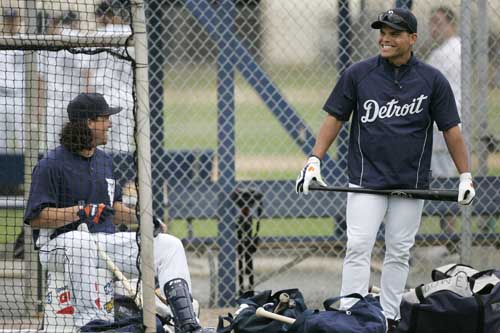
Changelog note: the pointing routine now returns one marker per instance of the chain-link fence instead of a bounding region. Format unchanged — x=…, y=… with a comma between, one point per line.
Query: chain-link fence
x=236, y=90
x=244, y=86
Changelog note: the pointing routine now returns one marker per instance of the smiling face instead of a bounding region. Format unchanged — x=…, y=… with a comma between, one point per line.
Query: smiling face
x=100, y=128
x=396, y=45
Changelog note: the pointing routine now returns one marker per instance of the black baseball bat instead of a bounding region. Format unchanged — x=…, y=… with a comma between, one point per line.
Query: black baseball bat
x=430, y=194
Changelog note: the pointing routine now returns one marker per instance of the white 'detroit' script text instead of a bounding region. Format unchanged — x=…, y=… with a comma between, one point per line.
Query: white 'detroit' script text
x=391, y=109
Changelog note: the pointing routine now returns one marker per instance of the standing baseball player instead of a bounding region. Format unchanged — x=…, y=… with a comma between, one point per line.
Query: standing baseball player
x=392, y=99
x=73, y=184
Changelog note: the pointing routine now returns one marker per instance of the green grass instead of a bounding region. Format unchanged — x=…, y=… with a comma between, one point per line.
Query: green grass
x=191, y=110
x=11, y=222
x=300, y=227
x=268, y=227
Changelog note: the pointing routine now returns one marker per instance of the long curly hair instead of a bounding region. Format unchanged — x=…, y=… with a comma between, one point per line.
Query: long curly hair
x=76, y=136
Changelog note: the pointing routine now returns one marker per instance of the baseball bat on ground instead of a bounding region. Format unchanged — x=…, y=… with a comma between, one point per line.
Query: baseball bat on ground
x=261, y=312
x=430, y=194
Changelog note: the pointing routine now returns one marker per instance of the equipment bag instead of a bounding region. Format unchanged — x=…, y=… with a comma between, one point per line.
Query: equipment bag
x=467, y=302
x=365, y=316
x=246, y=321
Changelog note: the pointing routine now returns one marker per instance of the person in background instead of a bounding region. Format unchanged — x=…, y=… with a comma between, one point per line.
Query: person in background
x=113, y=76
x=11, y=88
x=446, y=57
x=63, y=75
x=113, y=17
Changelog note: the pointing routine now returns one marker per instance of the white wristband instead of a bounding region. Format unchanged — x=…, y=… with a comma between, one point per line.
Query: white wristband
x=314, y=158
x=465, y=176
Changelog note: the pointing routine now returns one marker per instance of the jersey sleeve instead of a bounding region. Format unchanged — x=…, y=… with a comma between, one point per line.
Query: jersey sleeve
x=43, y=191
x=118, y=193
x=342, y=100
x=443, y=106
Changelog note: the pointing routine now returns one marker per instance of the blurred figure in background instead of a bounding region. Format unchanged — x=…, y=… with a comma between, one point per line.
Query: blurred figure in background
x=114, y=75
x=70, y=23
x=11, y=87
x=113, y=17
x=63, y=75
x=447, y=58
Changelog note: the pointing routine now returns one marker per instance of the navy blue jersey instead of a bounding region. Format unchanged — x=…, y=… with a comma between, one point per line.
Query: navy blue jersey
x=393, y=110
x=63, y=178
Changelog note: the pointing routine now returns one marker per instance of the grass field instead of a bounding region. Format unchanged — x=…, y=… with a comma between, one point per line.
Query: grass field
x=11, y=224
x=208, y=228
x=296, y=227
x=191, y=117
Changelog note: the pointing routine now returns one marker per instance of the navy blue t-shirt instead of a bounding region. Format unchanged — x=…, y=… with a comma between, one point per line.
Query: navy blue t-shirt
x=63, y=178
x=393, y=110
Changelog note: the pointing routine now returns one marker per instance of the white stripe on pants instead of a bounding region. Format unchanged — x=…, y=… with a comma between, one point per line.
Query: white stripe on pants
x=365, y=213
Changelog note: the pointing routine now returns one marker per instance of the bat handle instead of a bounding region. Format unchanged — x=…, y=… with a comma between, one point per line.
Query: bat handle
x=261, y=312
x=160, y=296
x=284, y=301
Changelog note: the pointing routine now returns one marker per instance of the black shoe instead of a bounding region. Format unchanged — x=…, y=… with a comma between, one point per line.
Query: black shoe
x=392, y=325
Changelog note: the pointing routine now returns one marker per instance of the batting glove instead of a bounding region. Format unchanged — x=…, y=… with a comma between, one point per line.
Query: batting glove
x=96, y=213
x=311, y=171
x=466, y=190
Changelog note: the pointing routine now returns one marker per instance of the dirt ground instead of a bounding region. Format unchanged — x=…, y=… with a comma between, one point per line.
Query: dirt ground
x=209, y=317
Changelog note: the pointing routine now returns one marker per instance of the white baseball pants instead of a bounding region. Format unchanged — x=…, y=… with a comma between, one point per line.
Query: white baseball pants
x=76, y=253
x=365, y=213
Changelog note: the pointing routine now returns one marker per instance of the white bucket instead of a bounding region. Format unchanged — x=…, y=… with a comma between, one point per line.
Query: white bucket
x=60, y=307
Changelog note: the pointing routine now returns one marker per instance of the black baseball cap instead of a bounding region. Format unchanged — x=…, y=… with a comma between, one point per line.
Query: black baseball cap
x=397, y=18
x=89, y=106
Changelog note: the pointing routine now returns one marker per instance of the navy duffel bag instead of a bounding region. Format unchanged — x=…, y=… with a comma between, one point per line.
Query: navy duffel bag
x=463, y=303
x=365, y=316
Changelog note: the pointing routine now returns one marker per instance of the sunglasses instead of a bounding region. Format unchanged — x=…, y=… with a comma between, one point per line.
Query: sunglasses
x=394, y=19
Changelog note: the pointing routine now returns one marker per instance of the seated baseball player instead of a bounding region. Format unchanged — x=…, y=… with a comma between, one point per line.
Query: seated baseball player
x=74, y=184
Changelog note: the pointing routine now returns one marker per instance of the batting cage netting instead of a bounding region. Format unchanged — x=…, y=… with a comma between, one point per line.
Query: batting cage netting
x=216, y=119
x=70, y=109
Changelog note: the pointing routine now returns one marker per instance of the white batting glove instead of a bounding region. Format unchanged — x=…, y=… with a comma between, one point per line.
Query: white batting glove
x=310, y=171
x=466, y=190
